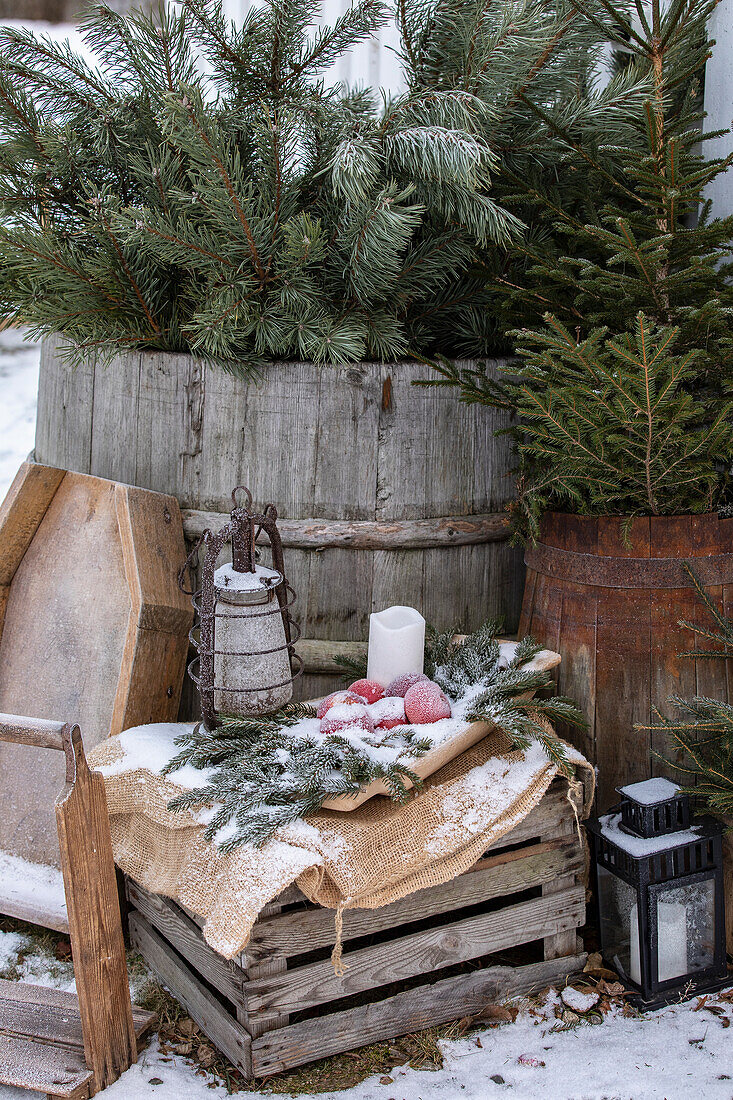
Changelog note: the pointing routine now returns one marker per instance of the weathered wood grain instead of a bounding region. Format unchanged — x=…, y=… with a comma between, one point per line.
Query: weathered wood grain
x=53, y=1071
x=300, y=931
x=621, y=641
x=413, y=1010
x=92, y=903
x=63, y=1044
x=23, y=508
x=173, y=924
x=52, y=1015
x=95, y=628
x=62, y=392
x=388, y=478
x=212, y=1017
x=417, y=953
x=280, y=978
x=40, y=733
x=416, y=534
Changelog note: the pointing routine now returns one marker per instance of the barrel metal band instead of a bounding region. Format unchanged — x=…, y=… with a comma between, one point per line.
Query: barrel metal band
x=610, y=572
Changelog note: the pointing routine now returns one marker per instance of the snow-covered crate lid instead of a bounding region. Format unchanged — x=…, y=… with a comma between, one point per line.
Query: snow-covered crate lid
x=654, y=807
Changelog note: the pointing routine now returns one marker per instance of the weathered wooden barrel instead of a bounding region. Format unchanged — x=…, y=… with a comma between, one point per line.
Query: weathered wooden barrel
x=387, y=492
x=609, y=598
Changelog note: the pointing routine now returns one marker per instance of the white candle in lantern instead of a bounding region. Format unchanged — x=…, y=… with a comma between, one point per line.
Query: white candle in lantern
x=671, y=941
x=396, y=643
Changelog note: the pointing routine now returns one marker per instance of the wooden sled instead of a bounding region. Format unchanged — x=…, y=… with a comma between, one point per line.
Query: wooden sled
x=61, y=1044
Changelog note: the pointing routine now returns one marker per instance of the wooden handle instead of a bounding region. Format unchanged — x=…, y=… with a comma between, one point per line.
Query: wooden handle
x=32, y=731
x=42, y=734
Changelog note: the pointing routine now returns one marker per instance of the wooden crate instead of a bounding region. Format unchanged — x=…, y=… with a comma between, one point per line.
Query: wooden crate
x=506, y=926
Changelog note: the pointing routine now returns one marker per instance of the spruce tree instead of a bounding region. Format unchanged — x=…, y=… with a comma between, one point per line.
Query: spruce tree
x=608, y=425
x=199, y=188
x=613, y=196
x=629, y=253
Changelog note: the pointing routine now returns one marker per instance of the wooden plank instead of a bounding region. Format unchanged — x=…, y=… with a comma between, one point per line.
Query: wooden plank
x=22, y=510
x=413, y=1010
x=226, y=1033
x=61, y=651
x=54, y=1071
x=415, y=534
x=710, y=676
x=52, y=1015
x=300, y=931
x=114, y=416
x=319, y=655
x=64, y=423
x=75, y=643
x=562, y=943
x=578, y=638
x=418, y=953
x=156, y=642
x=169, y=449
x=272, y=963
x=622, y=667
x=154, y=551
x=186, y=938
x=671, y=536
x=95, y=929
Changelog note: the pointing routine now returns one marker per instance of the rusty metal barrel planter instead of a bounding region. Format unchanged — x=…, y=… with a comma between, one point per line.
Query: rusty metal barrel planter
x=609, y=601
x=386, y=492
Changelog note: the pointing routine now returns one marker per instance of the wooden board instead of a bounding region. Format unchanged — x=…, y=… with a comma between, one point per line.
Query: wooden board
x=41, y=1040
x=94, y=629
x=63, y=1044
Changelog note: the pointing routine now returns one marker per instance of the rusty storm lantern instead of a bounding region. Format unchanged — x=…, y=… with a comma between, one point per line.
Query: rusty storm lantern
x=245, y=636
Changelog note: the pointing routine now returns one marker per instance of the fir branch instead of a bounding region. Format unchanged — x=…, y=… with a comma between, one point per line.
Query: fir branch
x=265, y=777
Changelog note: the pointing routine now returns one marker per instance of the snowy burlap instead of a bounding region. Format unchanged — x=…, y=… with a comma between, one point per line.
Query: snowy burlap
x=362, y=859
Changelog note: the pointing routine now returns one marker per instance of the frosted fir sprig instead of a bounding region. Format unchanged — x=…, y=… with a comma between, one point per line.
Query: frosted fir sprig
x=266, y=775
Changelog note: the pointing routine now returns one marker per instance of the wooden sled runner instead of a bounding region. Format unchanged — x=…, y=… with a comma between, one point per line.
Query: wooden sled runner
x=64, y=1045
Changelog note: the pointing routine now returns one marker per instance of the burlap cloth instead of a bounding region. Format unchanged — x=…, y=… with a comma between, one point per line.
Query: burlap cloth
x=362, y=859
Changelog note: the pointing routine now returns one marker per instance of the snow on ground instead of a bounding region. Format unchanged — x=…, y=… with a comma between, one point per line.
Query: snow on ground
x=18, y=387
x=682, y=1052
x=671, y=1055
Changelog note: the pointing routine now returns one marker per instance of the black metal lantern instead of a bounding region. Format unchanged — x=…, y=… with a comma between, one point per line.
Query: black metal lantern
x=659, y=888
x=245, y=636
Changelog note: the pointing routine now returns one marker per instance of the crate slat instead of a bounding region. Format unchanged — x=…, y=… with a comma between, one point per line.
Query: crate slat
x=299, y=931
x=403, y=1013
x=417, y=953
x=221, y=1027
x=176, y=927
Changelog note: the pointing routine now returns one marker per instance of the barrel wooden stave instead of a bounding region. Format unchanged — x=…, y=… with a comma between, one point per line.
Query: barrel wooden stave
x=620, y=645
x=357, y=443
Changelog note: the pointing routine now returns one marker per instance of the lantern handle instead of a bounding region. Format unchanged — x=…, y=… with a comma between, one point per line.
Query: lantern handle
x=248, y=495
x=192, y=563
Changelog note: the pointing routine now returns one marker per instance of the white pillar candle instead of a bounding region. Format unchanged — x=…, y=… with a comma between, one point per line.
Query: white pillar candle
x=396, y=643
x=671, y=942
